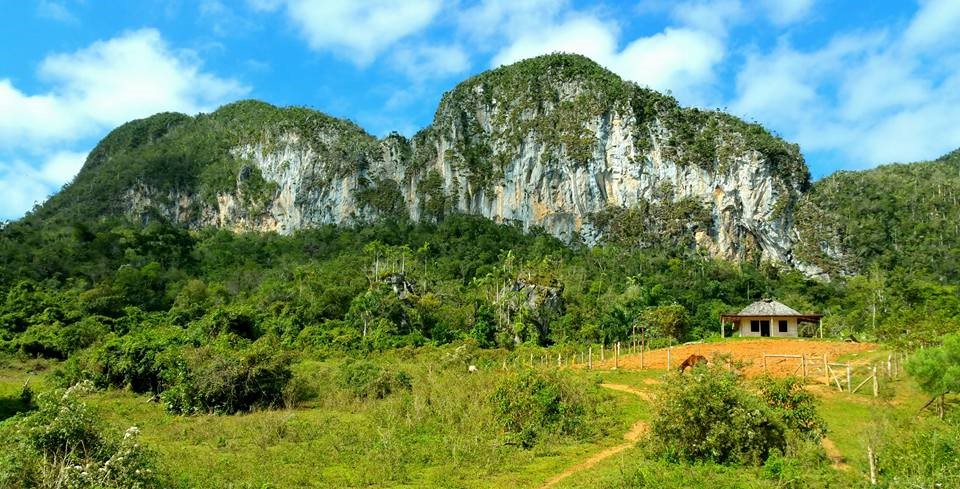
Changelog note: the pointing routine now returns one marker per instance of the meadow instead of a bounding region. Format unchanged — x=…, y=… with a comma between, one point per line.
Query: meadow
x=440, y=428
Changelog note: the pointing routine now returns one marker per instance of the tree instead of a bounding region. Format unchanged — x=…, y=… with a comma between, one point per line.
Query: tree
x=666, y=321
x=937, y=370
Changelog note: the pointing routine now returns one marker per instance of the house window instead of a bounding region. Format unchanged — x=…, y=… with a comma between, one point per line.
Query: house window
x=783, y=326
x=754, y=326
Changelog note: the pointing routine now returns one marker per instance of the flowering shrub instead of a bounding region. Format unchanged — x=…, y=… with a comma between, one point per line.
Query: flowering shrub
x=62, y=444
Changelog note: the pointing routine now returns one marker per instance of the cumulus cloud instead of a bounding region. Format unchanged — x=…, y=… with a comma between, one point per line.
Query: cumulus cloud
x=872, y=97
x=783, y=12
x=50, y=9
x=423, y=62
x=23, y=185
x=358, y=31
x=681, y=60
x=108, y=83
x=713, y=16
x=90, y=91
x=935, y=23
x=508, y=18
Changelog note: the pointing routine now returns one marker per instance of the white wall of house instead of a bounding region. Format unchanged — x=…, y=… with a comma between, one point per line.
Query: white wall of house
x=791, y=332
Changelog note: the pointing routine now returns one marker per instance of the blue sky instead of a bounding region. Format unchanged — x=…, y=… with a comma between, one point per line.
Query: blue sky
x=855, y=83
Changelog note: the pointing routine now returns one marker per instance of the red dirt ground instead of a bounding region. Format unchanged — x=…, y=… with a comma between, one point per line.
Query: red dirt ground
x=748, y=351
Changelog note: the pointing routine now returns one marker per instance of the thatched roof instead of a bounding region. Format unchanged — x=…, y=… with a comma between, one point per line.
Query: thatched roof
x=768, y=307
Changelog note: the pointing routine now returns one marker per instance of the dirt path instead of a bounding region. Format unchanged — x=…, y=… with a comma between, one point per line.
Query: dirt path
x=646, y=396
x=630, y=437
x=836, y=458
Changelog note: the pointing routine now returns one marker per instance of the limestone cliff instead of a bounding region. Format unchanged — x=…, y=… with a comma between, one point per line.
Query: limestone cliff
x=552, y=142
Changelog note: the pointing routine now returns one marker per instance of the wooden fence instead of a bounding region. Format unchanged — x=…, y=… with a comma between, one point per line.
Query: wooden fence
x=846, y=377
x=843, y=375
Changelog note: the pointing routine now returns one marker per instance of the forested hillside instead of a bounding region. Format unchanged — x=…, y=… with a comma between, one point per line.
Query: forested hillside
x=903, y=218
x=555, y=142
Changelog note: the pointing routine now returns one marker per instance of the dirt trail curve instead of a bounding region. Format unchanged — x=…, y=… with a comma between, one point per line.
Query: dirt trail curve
x=836, y=458
x=630, y=438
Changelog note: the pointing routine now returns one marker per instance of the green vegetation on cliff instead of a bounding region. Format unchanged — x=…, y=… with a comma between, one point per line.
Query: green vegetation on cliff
x=169, y=155
x=899, y=217
x=562, y=99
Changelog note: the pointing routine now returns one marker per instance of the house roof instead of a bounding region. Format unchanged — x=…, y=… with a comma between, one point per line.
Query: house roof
x=768, y=307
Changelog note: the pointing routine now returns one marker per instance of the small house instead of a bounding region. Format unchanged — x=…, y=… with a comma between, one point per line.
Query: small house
x=768, y=317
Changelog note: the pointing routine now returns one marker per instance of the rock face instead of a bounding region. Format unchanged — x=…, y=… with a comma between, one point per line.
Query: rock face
x=549, y=142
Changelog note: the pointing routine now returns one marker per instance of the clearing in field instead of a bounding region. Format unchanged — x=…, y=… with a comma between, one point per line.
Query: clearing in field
x=750, y=352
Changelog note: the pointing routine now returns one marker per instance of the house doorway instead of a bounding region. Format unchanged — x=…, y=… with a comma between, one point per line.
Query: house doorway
x=764, y=327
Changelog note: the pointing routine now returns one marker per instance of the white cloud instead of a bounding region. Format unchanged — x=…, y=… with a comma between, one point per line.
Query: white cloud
x=783, y=12
x=358, y=31
x=713, y=16
x=935, y=23
x=424, y=61
x=90, y=91
x=873, y=97
x=105, y=84
x=681, y=60
x=53, y=10
x=584, y=35
x=23, y=185
x=508, y=18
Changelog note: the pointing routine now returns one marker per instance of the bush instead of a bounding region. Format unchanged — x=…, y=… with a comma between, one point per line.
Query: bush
x=221, y=379
x=368, y=380
x=794, y=405
x=138, y=360
x=707, y=415
x=532, y=404
x=62, y=444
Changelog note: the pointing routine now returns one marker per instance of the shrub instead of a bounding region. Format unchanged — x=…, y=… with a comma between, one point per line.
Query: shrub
x=532, y=404
x=222, y=379
x=707, y=415
x=138, y=360
x=367, y=380
x=62, y=444
x=794, y=405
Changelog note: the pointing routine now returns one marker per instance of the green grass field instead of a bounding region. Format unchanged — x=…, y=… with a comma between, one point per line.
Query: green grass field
x=440, y=434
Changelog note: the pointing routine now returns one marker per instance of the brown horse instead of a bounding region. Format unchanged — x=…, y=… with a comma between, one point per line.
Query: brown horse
x=693, y=361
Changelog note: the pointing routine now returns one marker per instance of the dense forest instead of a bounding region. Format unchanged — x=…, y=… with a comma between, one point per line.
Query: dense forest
x=67, y=287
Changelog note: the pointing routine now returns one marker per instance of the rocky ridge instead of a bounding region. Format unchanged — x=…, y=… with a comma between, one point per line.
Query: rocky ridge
x=551, y=142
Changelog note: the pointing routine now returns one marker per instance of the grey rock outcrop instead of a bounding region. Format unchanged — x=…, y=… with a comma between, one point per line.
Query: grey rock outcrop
x=547, y=150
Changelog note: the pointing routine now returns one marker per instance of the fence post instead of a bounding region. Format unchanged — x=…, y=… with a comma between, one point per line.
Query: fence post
x=616, y=362
x=602, y=353
x=803, y=363
x=559, y=361
x=849, y=382
x=764, y=363
x=590, y=358
x=889, y=365
x=873, y=465
x=826, y=370
x=641, y=356
x=668, y=356
x=876, y=385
